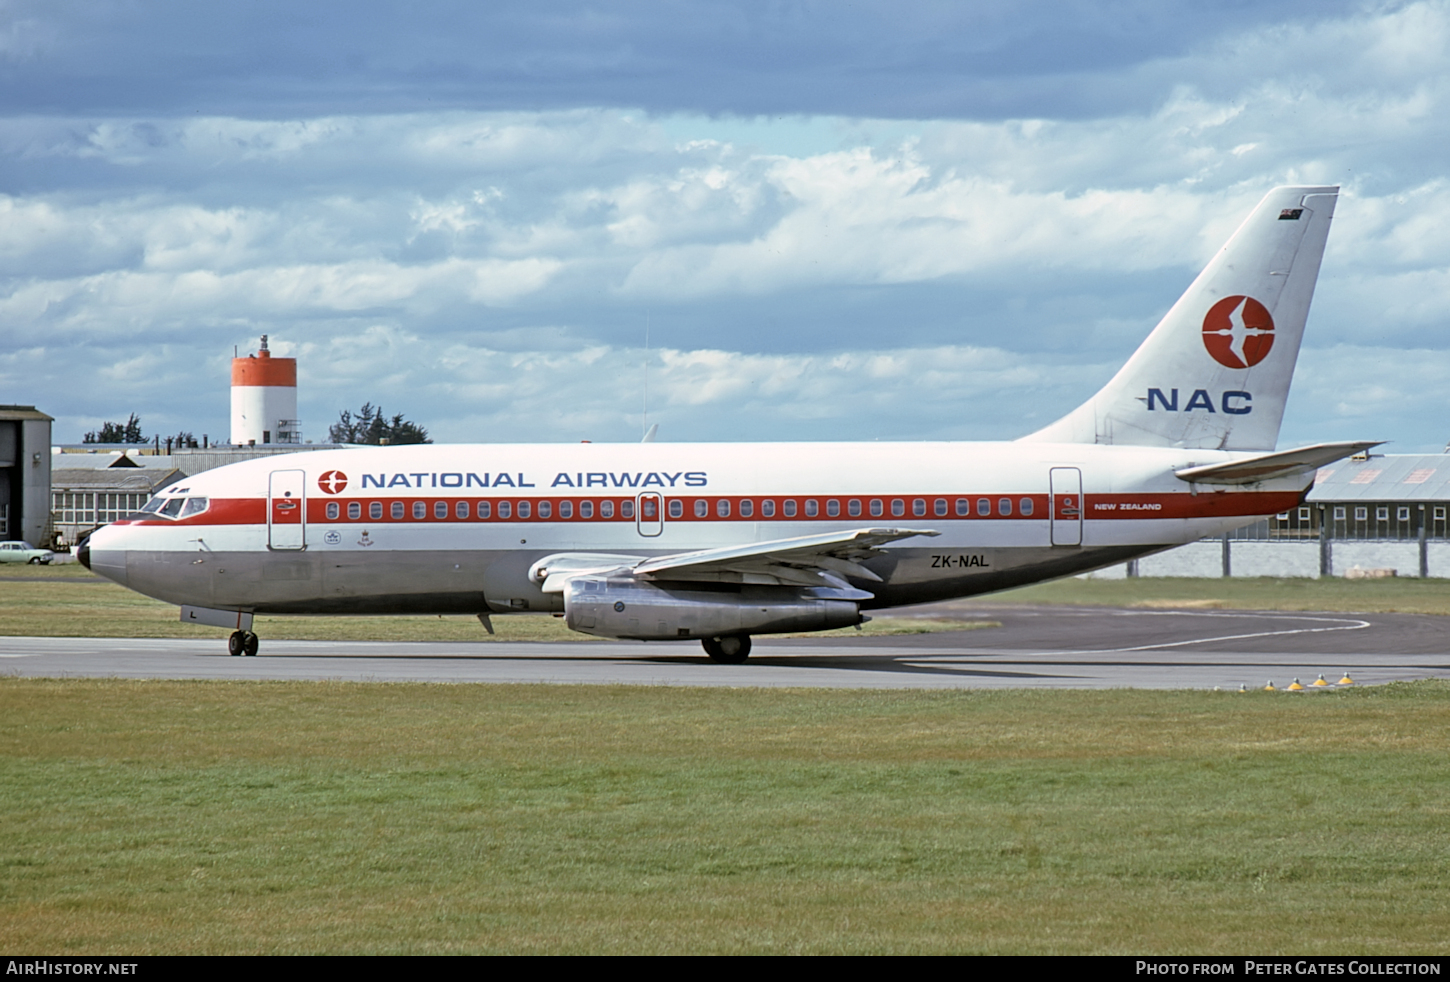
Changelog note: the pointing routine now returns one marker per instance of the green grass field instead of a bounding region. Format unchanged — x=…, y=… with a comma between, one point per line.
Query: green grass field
x=69, y=601
x=196, y=817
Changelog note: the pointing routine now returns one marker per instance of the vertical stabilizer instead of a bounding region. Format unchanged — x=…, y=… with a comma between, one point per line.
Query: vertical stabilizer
x=1215, y=372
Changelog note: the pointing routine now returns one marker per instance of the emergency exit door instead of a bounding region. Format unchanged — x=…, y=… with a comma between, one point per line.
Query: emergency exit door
x=650, y=514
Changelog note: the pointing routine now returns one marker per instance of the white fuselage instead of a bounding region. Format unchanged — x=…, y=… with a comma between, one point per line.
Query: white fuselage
x=455, y=528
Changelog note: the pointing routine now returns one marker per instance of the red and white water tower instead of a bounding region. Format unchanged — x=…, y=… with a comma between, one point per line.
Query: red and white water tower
x=264, y=399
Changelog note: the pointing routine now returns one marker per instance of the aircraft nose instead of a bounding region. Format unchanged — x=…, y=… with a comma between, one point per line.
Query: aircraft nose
x=92, y=552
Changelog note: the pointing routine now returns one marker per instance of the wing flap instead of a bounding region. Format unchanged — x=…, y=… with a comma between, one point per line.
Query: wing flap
x=822, y=562
x=836, y=552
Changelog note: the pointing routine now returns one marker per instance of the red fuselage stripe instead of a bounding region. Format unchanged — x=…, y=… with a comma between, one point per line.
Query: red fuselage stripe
x=749, y=508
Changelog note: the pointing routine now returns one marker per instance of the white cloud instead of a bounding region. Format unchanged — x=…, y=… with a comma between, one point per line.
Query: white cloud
x=491, y=274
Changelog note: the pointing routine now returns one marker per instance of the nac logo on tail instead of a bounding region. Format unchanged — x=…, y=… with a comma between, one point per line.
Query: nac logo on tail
x=1238, y=332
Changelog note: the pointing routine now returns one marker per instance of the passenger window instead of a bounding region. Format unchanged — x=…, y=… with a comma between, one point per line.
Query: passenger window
x=1025, y=505
x=397, y=509
x=853, y=508
x=1004, y=506
x=420, y=509
x=964, y=507
x=941, y=507
x=354, y=510
x=375, y=510
x=566, y=509
x=586, y=509
x=626, y=509
x=788, y=508
x=606, y=509
x=677, y=508
x=485, y=509
x=811, y=508
x=440, y=509
x=767, y=508
x=876, y=508
x=722, y=507
x=546, y=509
x=333, y=511
x=918, y=507
x=833, y=508
x=747, y=508
x=460, y=509
x=702, y=508
x=898, y=507
x=984, y=506
x=524, y=510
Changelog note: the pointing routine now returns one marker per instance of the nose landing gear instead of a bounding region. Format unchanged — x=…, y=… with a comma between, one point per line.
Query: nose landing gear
x=242, y=643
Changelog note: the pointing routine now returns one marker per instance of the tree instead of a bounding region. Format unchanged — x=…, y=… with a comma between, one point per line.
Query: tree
x=127, y=432
x=370, y=426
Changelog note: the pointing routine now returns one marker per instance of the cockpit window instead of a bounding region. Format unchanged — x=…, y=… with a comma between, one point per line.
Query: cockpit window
x=194, y=506
x=154, y=505
x=172, y=508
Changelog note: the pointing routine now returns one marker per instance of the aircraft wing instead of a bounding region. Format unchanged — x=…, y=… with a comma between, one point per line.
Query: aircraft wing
x=820, y=561
x=1286, y=463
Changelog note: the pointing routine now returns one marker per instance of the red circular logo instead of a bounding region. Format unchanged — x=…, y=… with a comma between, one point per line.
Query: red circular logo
x=332, y=482
x=1238, y=332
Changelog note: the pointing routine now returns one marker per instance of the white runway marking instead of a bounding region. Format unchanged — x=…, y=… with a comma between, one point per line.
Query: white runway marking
x=1338, y=624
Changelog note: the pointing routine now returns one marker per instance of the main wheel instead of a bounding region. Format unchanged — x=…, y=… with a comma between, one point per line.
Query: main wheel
x=732, y=649
x=249, y=646
x=236, y=643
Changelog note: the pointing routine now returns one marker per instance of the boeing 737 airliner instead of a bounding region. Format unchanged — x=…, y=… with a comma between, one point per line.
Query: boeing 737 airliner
x=719, y=542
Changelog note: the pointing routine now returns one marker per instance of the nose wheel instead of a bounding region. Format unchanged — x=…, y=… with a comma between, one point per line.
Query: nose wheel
x=242, y=643
x=731, y=649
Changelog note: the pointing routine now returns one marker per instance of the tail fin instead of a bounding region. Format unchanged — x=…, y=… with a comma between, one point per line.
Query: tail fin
x=1215, y=372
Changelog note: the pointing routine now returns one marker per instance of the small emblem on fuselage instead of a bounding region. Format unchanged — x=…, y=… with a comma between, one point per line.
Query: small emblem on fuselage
x=365, y=541
x=332, y=538
x=332, y=482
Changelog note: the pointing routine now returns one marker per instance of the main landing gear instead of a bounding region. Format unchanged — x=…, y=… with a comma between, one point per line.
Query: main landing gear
x=242, y=643
x=732, y=649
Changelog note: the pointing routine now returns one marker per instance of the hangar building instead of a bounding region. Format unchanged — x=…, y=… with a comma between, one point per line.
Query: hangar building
x=1373, y=511
x=24, y=473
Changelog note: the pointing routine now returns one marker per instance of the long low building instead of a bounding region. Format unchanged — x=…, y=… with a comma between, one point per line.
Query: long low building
x=92, y=485
x=1371, y=512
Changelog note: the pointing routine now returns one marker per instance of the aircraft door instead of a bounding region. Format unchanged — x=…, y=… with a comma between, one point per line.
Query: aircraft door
x=1066, y=507
x=649, y=514
x=286, y=510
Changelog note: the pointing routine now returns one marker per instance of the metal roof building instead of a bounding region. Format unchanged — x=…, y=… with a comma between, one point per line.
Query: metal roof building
x=88, y=490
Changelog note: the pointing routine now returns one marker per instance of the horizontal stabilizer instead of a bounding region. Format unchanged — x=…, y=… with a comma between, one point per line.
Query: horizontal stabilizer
x=1286, y=463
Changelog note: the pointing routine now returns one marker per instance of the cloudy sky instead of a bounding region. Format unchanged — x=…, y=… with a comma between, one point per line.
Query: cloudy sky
x=781, y=220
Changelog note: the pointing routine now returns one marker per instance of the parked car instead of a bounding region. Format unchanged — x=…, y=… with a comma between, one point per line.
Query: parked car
x=24, y=552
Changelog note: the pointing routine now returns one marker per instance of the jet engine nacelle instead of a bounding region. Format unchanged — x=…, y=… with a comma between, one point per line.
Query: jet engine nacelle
x=630, y=608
